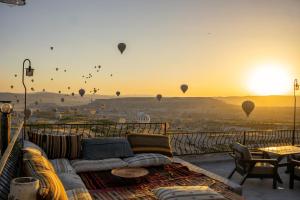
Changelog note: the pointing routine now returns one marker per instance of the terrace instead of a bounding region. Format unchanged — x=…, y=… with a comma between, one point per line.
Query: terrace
x=206, y=150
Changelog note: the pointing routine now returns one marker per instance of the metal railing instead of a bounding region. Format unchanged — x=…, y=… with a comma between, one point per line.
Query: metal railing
x=214, y=142
x=99, y=130
x=9, y=163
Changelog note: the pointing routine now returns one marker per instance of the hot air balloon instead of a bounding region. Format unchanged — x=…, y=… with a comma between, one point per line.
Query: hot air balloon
x=158, y=97
x=32, y=89
x=85, y=82
x=16, y=75
x=248, y=107
x=44, y=90
x=69, y=88
x=121, y=47
x=32, y=80
x=99, y=66
x=184, y=87
x=11, y=86
x=51, y=79
x=111, y=75
x=118, y=93
x=73, y=94
x=62, y=99
x=65, y=70
x=56, y=68
x=59, y=91
x=95, y=67
x=81, y=92
x=51, y=48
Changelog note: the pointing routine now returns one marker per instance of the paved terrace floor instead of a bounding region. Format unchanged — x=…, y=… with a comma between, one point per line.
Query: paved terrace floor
x=253, y=189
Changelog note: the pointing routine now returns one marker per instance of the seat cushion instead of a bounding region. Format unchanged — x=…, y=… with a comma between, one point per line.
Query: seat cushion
x=58, y=146
x=97, y=165
x=142, y=143
x=71, y=181
x=62, y=165
x=147, y=159
x=262, y=168
x=79, y=194
x=50, y=186
x=107, y=147
x=187, y=193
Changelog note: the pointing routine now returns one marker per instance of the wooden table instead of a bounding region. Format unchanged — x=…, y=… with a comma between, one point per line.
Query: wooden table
x=130, y=173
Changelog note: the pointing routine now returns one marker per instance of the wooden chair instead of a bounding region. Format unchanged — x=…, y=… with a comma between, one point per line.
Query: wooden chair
x=294, y=169
x=249, y=166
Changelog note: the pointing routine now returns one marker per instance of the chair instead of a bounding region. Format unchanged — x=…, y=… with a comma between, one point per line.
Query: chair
x=249, y=166
x=294, y=168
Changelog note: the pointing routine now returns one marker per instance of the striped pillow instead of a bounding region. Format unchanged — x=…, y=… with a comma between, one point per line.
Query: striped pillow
x=97, y=165
x=58, y=146
x=187, y=193
x=147, y=159
x=50, y=186
x=62, y=165
x=141, y=143
x=79, y=194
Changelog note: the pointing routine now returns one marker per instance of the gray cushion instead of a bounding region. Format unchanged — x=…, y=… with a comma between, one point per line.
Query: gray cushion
x=147, y=159
x=103, y=148
x=62, y=165
x=71, y=181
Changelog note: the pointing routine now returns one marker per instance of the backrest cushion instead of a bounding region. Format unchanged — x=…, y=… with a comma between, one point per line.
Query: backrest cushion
x=142, y=143
x=106, y=147
x=147, y=160
x=241, y=151
x=58, y=146
x=33, y=163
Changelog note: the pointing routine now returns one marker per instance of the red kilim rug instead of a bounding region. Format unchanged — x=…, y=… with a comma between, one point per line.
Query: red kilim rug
x=104, y=185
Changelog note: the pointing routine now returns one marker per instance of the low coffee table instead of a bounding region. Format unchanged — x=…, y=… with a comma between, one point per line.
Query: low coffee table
x=130, y=173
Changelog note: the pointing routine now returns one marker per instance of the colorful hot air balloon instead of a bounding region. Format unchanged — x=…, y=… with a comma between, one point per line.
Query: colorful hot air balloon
x=248, y=107
x=121, y=47
x=184, y=87
x=159, y=97
x=118, y=93
x=81, y=92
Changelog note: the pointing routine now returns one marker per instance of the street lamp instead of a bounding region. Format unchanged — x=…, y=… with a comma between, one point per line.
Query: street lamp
x=6, y=108
x=29, y=72
x=296, y=87
x=14, y=2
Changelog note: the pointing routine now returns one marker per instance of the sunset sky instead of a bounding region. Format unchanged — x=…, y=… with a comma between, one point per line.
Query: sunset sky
x=218, y=48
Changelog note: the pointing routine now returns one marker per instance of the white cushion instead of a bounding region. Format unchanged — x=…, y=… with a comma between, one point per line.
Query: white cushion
x=147, y=159
x=97, y=165
x=62, y=165
x=79, y=194
x=71, y=181
x=187, y=193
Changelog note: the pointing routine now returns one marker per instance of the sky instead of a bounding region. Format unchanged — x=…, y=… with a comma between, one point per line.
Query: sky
x=213, y=46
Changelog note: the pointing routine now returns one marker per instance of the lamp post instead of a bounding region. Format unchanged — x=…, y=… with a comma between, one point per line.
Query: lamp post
x=5, y=122
x=29, y=72
x=296, y=87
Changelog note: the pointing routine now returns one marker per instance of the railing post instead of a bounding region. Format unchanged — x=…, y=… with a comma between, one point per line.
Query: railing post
x=293, y=137
x=165, y=129
x=244, y=138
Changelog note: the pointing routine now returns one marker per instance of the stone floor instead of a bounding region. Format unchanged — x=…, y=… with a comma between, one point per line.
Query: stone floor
x=253, y=189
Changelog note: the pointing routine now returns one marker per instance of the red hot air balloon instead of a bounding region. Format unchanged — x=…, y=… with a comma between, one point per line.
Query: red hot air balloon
x=121, y=47
x=81, y=92
x=159, y=97
x=248, y=107
x=184, y=87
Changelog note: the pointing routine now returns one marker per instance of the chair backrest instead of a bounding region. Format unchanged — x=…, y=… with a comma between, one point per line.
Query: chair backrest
x=241, y=153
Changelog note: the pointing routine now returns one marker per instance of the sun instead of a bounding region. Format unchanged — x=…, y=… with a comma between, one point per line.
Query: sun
x=269, y=79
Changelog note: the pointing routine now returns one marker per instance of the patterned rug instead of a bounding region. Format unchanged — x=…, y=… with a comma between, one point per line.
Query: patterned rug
x=103, y=185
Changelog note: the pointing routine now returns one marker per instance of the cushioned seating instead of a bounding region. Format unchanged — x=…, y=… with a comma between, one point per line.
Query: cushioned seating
x=142, y=143
x=29, y=146
x=33, y=163
x=71, y=181
x=187, y=193
x=102, y=148
x=79, y=194
x=147, y=159
x=62, y=166
x=97, y=165
x=58, y=146
x=262, y=168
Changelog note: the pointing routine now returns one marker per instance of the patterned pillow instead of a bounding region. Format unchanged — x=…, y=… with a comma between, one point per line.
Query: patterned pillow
x=187, y=193
x=147, y=159
x=50, y=186
x=107, y=147
x=29, y=146
x=58, y=146
x=97, y=165
x=33, y=163
x=71, y=181
x=62, y=165
x=142, y=143
x=79, y=194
